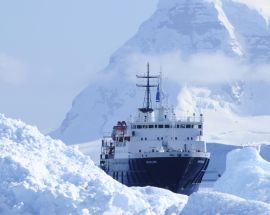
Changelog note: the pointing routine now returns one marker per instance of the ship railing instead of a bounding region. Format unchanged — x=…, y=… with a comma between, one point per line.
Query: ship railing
x=107, y=135
x=189, y=119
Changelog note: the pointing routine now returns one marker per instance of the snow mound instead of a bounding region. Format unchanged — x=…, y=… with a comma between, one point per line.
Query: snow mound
x=210, y=203
x=247, y=175
x=39, y=175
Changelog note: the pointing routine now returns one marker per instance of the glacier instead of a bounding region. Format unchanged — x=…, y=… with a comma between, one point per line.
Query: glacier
x=40, y=175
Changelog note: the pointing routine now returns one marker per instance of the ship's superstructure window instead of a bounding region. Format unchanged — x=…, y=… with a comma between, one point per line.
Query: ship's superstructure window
x=145, y=138
x=166, y=126
x=175, y=138
x=157, y=138
x=127, y=138
x=188, y=138
x=141, y=139
x=161, y=138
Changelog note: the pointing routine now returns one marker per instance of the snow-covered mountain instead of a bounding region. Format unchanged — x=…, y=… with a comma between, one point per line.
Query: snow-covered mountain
x=222, y=46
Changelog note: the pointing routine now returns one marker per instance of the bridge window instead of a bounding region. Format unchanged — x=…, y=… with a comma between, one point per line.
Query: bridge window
x=156, y=126
x=167, y=126
x=151, y=126
x=200, y=126
x=139, y=126
x=160, y=126
x=183, y=126
x=188, y=126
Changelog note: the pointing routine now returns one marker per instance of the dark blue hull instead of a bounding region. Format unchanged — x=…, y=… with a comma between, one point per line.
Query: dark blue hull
x=178, y=174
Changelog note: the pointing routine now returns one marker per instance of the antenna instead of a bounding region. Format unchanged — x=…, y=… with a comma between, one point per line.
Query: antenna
x=147, y=105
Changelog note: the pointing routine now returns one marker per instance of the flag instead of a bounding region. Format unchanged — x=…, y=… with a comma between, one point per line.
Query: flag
x=158, y=94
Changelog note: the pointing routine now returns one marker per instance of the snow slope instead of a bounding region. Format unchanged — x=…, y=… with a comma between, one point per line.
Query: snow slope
x=39, y=175
x=222, y=124
x=224, y=41
x=247, y=175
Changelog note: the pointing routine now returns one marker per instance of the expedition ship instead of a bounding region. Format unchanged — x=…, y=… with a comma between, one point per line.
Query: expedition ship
x=156, y=149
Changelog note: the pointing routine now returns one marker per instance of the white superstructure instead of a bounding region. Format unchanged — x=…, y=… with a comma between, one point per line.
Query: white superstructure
x=156, y=131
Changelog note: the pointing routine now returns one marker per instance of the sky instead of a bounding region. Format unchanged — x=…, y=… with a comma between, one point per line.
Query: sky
x=50, y=49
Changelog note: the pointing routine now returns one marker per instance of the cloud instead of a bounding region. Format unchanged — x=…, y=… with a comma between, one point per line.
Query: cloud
x=12, y=71
x=201, y=68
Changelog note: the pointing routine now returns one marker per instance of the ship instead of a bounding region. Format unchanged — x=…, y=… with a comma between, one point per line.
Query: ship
x=156, y=148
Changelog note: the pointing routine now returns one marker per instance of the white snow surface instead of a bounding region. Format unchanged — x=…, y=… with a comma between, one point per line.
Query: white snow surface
x=247, y=175
x=39, y=175
x=213, y=203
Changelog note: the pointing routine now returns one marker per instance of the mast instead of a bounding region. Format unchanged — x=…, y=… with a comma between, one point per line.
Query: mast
x=147, y=105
